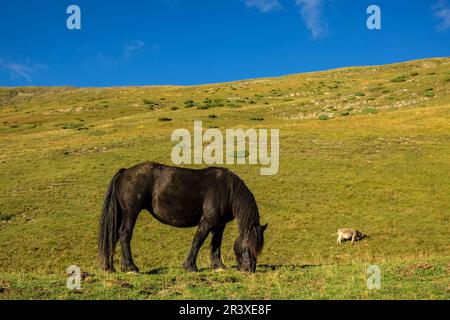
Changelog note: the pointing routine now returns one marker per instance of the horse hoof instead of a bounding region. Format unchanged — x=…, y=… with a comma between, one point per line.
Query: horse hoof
x=130, y=269
x=190, y=268
x=219, y=267
x=133, y=272
x=110, y=270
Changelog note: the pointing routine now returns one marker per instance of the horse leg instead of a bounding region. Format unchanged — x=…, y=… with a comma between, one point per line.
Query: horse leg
x=200, y=235
x=216, y=242
x=126, y=233
x=110, y=263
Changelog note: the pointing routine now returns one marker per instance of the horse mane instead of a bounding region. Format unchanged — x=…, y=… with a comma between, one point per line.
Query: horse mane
x=246, y=212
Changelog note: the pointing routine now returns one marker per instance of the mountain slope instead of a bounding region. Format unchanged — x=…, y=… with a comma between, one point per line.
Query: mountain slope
x=365, y=147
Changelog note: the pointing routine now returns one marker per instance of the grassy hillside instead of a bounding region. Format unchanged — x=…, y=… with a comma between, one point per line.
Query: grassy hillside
x=365, y=147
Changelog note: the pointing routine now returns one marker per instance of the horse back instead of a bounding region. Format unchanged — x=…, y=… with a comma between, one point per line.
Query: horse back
x=178, y=196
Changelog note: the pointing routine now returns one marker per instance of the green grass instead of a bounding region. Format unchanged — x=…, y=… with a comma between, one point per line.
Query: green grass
x=271, y=282
x=369, y=110
x=385, y=174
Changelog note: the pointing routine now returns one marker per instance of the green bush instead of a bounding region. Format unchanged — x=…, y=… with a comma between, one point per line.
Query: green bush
x=324, y=117
x=369, y=110
x=189, y=104
x=151, y=104
x=399, y=79
x=76, y=126
x=216, y=103
x=5, y=217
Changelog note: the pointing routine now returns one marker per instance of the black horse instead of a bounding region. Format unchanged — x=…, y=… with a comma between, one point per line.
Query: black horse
x=208, y=198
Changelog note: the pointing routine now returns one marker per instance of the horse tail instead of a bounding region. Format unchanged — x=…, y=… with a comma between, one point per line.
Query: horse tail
x=110, y=221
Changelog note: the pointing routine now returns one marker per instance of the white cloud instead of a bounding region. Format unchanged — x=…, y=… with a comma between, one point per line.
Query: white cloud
x=131, y=48
x=311, y=12
x=441, y=10
x=23, y=71
x=264, y=5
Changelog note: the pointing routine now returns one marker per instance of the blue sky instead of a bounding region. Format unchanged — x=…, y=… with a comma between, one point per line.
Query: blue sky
x=139, y=42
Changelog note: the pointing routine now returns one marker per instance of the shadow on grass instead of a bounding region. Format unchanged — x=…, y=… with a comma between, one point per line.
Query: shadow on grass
x=273, y=267
x=158, y=270
x=263, y=268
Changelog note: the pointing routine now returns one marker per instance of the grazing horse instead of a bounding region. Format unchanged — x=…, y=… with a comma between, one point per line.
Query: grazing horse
x=208, y=198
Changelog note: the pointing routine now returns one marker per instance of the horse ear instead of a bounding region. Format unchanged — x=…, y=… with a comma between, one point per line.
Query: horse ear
x=264, y=227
